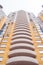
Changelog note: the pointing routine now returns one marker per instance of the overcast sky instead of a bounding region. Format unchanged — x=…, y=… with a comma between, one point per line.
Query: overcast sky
x=34, y=6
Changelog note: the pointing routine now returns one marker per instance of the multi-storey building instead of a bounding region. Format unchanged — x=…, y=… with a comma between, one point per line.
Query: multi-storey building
x=40, y=18
x=41, y=15
x=21, y=43
x=2, y=22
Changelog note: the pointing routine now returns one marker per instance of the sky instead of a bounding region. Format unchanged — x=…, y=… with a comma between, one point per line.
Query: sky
x=34, y=6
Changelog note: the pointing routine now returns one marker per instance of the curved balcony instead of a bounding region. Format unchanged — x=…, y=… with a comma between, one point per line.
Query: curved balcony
x=22, y=60
x=21, y=24
x=22, y=45
x=22, y=27
x=16, y=30
x=22, y=54
x=21, y=36
x=25, y=26
x=22, y=51
x=16, y=42
x=22, y=32
x=21, y=39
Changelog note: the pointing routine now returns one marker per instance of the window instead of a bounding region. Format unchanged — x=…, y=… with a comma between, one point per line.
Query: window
x=41, y=36
x=2, y=51
x=5, y=41
x=0, y=39
x=1, y=58
x=38, y=27
x=38, y=41
x=2, y=29
x=1, y=36
x=5, y=36
x=42, y=58
x=1, y=32
x=40, y=45
x=36, y=34
x=37, y=37
x=35, y=31
x=39, y=31
x=3, y=26
x=41, y=51
x=3, y=45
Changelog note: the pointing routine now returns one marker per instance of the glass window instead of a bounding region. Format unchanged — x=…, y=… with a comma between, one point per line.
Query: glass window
x=5, y=40
x=39, y=31
x=42, y=58
x=37, y=37
x=1, y=36
x=2, y=51
x=41, y=36
x=2, y=29
x=0, y=39
x=41, y=51
x=1, y=32
x=3, y=45
x=1, y=58
x=38, y=41
x=40, y=45
x=5, y=36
